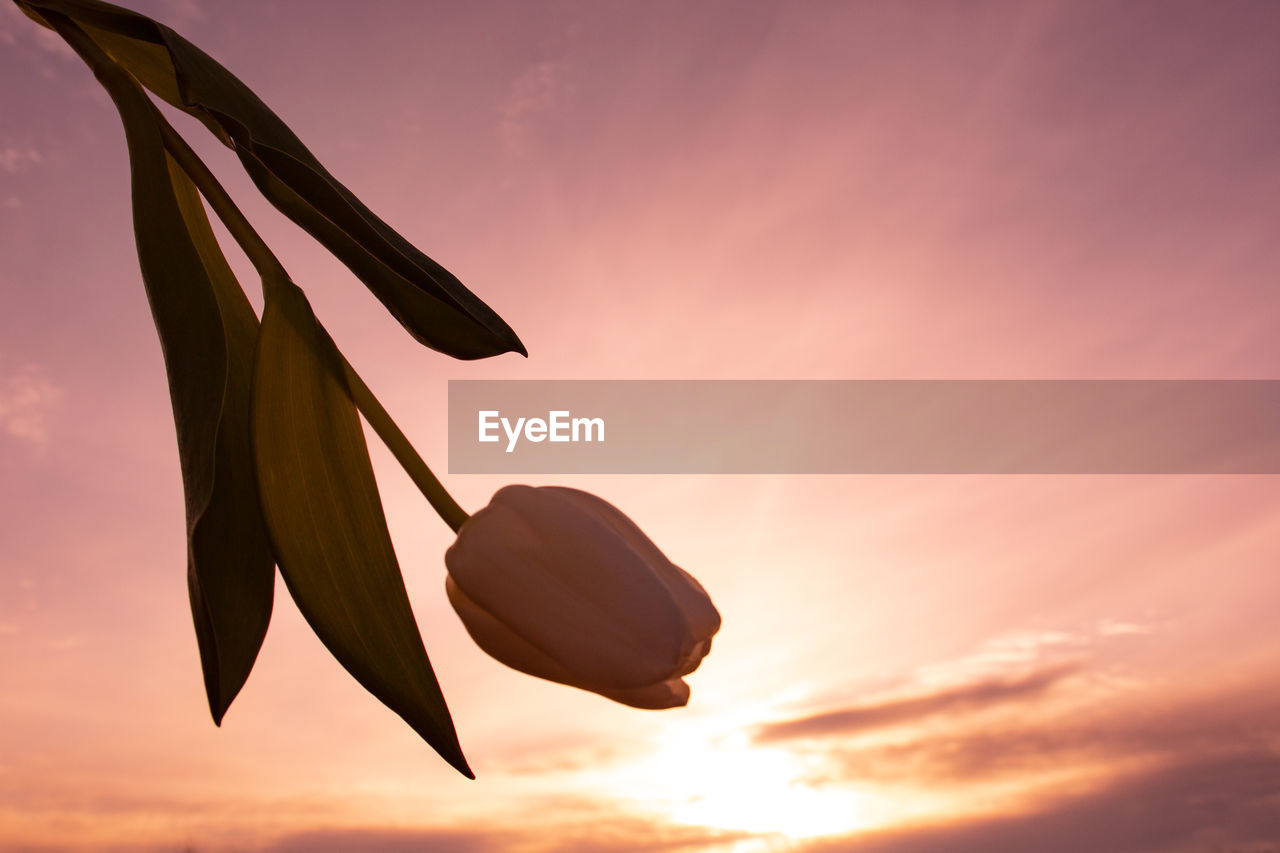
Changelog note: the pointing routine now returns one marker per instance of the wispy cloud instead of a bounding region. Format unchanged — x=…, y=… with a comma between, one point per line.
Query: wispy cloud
x=390, y=841
x=1195, y=804
x=51, y=42
x=11, y=21
x=957, y=700
x=14, y=159
x=1208, y=729
x=1116, y=628
x=26, y=398
x=1154, y=771
x=1013, y=669
x=539, y=89
x=16, y=27
x=602, y=833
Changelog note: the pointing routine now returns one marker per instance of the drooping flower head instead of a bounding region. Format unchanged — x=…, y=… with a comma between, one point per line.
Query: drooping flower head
x=560, y=584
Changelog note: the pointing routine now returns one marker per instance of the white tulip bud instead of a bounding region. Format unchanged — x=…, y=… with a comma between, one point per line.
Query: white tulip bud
x=559, y=584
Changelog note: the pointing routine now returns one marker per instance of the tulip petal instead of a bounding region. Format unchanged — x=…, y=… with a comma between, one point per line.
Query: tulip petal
x=326, y=520
x=503, y=644
x=425, y=297
x=508, y=647
x=533, y=552
x=208, y=332
x=673, y=693
x=694, y=603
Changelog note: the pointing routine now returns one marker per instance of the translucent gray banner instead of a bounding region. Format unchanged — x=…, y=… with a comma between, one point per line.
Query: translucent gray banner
x=864, y=427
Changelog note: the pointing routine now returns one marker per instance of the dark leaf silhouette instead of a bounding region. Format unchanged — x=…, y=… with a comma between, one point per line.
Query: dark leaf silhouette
x=208, y=332
x=428, y=300
x=326, y=521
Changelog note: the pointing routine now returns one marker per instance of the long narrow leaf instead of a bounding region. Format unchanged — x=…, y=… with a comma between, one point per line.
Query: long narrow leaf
x=208, y=332
x=233, y=568
x=425, y=297
x=326, y=521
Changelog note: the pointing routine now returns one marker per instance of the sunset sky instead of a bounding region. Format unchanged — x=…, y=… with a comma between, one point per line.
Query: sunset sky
x=667, y=190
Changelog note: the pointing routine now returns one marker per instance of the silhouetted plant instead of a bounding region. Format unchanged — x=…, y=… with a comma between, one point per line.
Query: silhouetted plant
x=274, y=463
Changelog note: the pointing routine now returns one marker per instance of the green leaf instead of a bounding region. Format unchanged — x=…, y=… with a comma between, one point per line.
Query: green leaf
x=326, y=521
x=208, y=332
x=425, y=297
x=232, y=576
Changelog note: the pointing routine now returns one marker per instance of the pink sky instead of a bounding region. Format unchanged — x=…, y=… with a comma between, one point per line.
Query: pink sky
x=677, y=190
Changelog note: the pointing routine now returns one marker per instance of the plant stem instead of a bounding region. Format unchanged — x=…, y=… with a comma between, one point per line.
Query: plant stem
x=268, y=266
x=251, y=243
x=441, y=501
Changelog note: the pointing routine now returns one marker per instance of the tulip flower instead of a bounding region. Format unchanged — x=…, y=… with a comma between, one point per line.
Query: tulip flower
x=559, y=584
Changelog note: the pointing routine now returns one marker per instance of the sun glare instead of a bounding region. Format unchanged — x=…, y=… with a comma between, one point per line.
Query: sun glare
x=760, y=790
x=713, y=779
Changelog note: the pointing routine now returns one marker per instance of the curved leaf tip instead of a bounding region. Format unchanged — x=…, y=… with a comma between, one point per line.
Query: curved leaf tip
x=429, y=301
x=326, y=521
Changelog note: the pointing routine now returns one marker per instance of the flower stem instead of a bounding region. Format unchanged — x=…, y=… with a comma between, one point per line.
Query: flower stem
x=267, y=265
x=432, y=489
x=250, y=242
